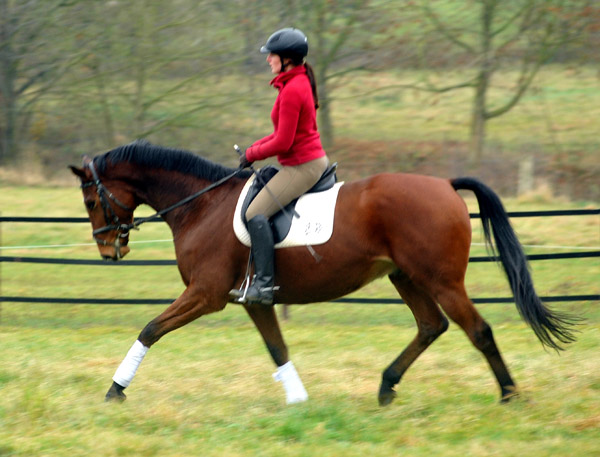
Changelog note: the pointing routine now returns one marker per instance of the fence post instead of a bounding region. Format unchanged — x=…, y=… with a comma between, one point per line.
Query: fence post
x=285, y=313
x=526, y=175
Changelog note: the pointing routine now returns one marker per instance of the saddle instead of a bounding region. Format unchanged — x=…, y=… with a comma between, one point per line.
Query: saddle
x=282, y=220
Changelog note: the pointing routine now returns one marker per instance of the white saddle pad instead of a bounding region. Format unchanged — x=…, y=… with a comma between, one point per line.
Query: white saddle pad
x=313, y=227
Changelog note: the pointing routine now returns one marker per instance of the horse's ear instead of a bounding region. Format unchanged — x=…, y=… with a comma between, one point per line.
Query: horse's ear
x=80, y=172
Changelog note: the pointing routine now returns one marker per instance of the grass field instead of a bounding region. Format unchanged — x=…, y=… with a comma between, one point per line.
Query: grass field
x=207, y=388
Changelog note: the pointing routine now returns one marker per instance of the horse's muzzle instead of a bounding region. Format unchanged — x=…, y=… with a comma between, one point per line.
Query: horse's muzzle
x=114, y=253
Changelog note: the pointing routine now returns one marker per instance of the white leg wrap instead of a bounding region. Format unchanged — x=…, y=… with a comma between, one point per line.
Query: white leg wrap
x=294, y=389
x=130, y=364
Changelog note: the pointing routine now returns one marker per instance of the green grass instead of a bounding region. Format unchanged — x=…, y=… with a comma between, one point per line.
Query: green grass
x=207, y=388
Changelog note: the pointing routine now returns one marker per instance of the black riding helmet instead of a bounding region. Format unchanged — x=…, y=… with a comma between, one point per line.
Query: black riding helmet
x=288, y=42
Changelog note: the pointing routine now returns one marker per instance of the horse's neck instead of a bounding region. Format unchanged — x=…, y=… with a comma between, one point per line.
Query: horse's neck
x=162, y=189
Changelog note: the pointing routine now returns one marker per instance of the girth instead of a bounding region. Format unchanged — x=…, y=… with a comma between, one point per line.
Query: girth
x=282, y=220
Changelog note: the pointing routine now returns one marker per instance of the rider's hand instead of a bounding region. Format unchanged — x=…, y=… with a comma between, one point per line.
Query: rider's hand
x=244, y=162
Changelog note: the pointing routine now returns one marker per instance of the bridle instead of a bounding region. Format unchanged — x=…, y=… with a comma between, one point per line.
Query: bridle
x=113, y=222
x=111, y=219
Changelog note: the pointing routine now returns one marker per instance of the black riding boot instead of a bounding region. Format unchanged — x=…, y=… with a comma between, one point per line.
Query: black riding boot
x=261, y=238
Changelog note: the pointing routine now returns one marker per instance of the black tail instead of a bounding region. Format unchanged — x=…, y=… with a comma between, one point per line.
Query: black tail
x=548, y=325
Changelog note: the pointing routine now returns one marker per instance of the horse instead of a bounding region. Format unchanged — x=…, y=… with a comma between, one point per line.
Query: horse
x=414, y=229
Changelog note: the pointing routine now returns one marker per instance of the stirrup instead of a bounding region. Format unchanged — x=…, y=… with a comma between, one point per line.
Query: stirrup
x=240, y=296
x=264, y=295
x=237, y=296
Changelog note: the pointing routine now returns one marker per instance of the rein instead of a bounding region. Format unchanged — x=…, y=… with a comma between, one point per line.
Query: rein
x=112, y=220
x=188, y=199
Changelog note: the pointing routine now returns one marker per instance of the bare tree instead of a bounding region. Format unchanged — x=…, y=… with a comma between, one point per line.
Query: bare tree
x=32, y=60
x=176, y=44
x=525, y=34
x=338, y=31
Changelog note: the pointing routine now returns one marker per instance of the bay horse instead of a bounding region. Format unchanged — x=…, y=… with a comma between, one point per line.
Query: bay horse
x=414, y=229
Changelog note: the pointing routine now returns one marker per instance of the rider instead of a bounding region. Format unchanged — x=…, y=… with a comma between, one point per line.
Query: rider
x=297, y=145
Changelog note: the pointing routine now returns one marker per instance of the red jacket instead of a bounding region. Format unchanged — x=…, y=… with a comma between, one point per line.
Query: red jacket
x=295, y=139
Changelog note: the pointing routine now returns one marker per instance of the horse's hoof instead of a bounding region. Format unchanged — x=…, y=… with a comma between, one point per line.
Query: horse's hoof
x=508, y=393
x=115, y=394
x=115, y=398
x=385, y=398
x=508, y=397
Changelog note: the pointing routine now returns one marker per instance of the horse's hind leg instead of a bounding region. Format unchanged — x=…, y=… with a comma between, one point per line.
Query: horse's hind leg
x=265, y=319
x=460, y=309
x=431, y=323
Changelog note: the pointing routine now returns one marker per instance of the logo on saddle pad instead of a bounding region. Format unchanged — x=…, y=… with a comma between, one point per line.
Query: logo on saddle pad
x=313, y=226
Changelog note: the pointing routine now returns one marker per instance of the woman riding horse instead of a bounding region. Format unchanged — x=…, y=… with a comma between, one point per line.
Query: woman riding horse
x=414, y=229
x=297, y=145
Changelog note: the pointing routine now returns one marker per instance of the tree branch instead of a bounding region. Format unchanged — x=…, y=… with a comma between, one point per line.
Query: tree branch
x=524, y=81
x=430, y=88
x=346, y=31
x=445, y=32
x=519, y=14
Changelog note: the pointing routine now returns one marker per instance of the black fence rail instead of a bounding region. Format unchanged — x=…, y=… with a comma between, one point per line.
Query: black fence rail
x=137, y=263
x=79, y=220
x=163, y=301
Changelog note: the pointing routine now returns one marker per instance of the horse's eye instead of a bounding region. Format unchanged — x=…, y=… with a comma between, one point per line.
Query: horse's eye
x=90, y=204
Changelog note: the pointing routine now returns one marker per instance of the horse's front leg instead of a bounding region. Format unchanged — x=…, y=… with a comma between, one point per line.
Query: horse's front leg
x=189, y=306
x=265, y=319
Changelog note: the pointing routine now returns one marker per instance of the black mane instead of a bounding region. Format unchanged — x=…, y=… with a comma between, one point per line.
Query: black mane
x=145, y=154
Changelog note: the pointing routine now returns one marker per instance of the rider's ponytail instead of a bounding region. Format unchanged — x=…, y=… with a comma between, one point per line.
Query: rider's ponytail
x=313, y=83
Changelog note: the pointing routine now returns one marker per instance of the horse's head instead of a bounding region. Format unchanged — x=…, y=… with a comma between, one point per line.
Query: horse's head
x=110, y=208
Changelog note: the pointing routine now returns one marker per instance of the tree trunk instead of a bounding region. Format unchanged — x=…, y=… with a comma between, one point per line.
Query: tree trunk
x=104, y=104
x=477, y=137
x=140, y=110
x=479, y=114
x=321, y=68
x=325, y=124
x=8, y=99
x=139, y=58
x=8, y=150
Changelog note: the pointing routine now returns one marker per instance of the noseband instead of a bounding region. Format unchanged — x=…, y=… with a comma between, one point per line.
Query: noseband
x=110, y=217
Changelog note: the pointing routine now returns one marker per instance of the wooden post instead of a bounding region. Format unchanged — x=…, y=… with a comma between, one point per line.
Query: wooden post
x=526, y=178
x=285, y=314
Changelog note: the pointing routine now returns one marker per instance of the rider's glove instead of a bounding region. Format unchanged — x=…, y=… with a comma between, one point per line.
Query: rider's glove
x=244, y=162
